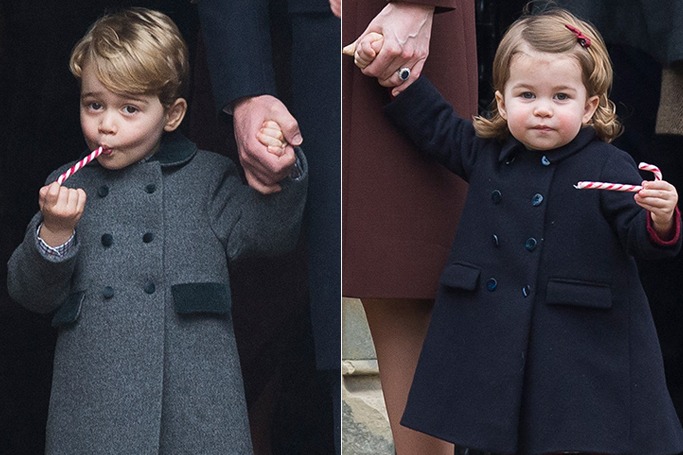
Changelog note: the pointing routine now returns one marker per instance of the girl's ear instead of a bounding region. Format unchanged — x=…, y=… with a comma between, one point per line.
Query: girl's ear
x=500, y=103
x=175, y=114
x=590, y=108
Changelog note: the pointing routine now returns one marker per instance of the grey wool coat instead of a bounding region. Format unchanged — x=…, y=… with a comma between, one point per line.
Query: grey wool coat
x=541, y=339
x=145, y=360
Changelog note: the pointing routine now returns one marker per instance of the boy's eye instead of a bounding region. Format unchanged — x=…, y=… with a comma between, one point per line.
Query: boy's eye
x=94, y=105
x=130, y=109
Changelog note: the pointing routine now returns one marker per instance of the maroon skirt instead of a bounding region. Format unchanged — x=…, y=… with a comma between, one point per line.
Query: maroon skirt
x=400, y=211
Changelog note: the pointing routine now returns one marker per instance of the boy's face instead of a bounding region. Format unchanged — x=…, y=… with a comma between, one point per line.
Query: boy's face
x=128, y=127
x=545, y=101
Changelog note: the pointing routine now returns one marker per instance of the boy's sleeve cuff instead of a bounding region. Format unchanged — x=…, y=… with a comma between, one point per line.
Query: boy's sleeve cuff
x=300, y=168
x=56, y=252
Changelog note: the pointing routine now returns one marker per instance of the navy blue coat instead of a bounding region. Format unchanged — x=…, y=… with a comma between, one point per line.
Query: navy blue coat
x=542, y=338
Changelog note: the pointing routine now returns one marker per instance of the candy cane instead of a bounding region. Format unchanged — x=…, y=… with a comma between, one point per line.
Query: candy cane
x=620, y=186
x=73, y=169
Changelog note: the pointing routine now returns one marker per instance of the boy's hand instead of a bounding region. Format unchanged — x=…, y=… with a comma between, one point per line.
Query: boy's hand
x=264, y=170
x=272, y=137
x=62, y=209
x=659, y=197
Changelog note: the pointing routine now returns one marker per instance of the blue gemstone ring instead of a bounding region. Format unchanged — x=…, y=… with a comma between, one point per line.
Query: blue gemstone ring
x=404, y=74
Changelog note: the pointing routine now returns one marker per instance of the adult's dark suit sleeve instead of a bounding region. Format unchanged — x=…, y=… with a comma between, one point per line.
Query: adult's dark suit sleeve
x=238, y=48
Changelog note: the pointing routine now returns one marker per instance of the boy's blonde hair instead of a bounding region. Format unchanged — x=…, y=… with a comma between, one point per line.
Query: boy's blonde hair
x=136, y=51
x=547, y=32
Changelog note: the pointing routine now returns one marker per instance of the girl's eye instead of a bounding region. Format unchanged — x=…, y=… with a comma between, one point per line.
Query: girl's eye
x=562, y=96
x=527, y=95
x=130, y=109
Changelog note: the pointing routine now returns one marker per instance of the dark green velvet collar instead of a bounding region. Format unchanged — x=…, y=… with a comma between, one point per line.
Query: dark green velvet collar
x=175, y=150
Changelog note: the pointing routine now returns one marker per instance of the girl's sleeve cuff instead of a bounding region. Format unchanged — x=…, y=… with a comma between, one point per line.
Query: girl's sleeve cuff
x=673, y=240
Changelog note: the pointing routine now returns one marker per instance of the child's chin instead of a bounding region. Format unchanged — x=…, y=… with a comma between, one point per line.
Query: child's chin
x=109, y=164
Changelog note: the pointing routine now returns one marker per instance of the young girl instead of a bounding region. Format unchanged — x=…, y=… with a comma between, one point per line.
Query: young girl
x=131, y=255
x=542, y=340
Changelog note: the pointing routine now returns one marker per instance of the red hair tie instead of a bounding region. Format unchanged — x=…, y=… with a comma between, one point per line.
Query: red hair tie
x=583, y=40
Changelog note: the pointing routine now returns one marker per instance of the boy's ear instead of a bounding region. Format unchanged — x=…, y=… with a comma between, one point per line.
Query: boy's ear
x=175, y=114
x=500, y=103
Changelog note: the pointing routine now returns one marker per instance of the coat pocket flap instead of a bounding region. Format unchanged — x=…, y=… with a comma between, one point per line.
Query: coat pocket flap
x=191, y=298
x=461, y=276
x=579, y=293
x=70, y=310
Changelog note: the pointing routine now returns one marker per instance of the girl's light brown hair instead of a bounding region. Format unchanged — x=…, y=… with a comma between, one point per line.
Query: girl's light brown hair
x=135, y=51
x=547, y=32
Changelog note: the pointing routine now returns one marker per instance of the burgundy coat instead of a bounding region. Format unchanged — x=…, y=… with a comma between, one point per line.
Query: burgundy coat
x=399, y=211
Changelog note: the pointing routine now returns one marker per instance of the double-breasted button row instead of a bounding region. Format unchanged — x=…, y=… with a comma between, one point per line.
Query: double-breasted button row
x=108, y=239
x=497, y=198
x=148, y=288
x=492, y=285
x=530, y=244
x=103, y=191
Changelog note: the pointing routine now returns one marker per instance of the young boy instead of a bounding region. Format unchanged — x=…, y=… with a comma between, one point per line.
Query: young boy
x=132, y=252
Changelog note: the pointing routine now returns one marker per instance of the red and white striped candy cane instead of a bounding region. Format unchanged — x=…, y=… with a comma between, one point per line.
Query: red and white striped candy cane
x=73, y=169
x=620, y=186
x=652, y=168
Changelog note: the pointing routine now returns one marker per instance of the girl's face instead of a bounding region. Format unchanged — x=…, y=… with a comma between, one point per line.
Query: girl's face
x=128, y=127
x=545, y=102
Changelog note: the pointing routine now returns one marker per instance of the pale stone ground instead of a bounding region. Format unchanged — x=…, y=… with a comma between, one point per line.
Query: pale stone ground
x=365, y=425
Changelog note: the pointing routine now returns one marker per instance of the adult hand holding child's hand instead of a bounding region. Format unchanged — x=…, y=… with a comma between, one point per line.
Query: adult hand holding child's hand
x=406, y=30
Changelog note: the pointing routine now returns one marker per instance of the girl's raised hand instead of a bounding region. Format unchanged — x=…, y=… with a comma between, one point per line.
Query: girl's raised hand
x=62, y=209
x=659, y=197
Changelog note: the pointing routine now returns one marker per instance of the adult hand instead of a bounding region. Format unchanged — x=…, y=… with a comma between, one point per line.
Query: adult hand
x=407, y=29
x=62, y=209
x=263, y=170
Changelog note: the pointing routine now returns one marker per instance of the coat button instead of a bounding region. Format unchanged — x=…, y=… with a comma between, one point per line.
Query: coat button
x=103, y=191
x=537, y=199
x=148, y=237
x=545, y=161
x=149, y=288
x=107, y=240
x=531, y=244
x=496, y=240
x=491, y=284
x=108, y=292
x=151, y=188
x=526, y=290
x=496, y=196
